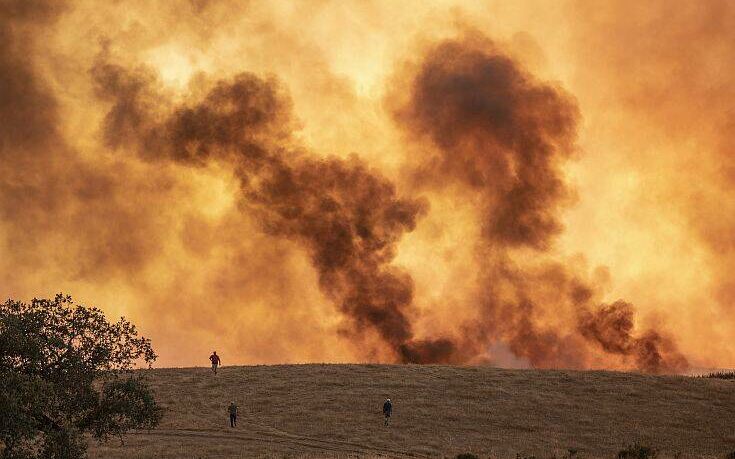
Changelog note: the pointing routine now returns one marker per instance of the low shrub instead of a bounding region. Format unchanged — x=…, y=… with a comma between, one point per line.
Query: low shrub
x=637, y=451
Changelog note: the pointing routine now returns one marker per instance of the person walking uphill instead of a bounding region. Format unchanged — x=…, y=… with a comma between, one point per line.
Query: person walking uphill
x=387, y=410
x=214, y=358
x=232, y=409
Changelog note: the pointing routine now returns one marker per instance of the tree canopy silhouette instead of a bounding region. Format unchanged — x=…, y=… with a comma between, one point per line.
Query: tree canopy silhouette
x=66, y=371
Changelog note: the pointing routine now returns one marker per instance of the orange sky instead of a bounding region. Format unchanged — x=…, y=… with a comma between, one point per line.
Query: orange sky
x=520, y=183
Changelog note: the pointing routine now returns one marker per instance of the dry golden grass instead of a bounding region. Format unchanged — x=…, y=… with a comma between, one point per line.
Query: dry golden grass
x=439, y=411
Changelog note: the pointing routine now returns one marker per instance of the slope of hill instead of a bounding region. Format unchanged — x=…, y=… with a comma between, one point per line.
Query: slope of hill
x=439, y=411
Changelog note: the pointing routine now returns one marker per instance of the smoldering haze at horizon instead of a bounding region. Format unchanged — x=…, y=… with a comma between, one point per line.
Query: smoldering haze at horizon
x=263, y=206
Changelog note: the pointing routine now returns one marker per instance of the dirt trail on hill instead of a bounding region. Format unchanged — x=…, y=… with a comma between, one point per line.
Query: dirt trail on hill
x=278, y=436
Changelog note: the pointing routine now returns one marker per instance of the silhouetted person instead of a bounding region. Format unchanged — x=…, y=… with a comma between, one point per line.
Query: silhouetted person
x=214, y=358
x=232, y=409
x=387, y=410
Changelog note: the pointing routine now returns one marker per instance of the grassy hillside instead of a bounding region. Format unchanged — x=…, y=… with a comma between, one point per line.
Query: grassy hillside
x=439, y=411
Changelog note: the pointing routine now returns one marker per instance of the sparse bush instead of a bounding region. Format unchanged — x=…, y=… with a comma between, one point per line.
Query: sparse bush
x=730, y=455
x=466, y=456
x=637, y=451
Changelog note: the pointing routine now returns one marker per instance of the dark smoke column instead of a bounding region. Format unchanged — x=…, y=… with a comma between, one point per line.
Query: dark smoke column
x=502, y=135
x=348, y=217
x=498, y=132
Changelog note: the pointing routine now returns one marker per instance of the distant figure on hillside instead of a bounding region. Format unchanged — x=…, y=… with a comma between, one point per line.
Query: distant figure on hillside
x=387, y=410
x=214, y=358
x=232, y=409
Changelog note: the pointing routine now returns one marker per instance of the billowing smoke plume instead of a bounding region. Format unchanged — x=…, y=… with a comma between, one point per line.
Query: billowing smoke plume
x=347, y=216
x=503, y=135
x=499, y=133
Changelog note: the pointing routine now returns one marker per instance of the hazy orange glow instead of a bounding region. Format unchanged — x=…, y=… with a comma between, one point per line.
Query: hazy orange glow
x=522, y=183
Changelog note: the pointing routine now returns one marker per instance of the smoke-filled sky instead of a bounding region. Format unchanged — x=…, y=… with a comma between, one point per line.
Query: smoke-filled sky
x=525, y=184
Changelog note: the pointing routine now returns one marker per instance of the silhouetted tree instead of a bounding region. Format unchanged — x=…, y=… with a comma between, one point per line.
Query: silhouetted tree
x=65, y=371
